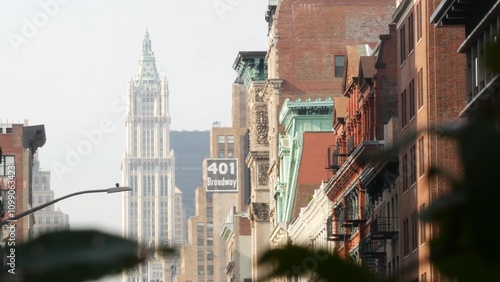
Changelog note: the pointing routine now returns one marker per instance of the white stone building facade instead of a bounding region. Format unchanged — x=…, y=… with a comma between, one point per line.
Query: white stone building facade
x=152, y=211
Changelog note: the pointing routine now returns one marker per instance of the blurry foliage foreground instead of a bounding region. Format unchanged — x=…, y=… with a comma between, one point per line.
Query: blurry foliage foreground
x=73, y=256
x=466, y=248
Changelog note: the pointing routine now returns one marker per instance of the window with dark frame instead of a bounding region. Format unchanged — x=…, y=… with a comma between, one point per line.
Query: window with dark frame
x=411, y=89
x=411, y=34
x=414, y=230
x=402, y=42
x=406, y=243
x=403, y=109
x=339, y=65
x=421, y=155
x=210, y=256
x=201, y=269
x=210, y=241
x=419, y=21
x=413, y=165
x=210, y=270
x=404, y=168
x=423, y=235
x=420, y=89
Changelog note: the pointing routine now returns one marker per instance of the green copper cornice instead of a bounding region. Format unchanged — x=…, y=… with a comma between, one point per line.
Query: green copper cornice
x=251, y=66
x=308, y=107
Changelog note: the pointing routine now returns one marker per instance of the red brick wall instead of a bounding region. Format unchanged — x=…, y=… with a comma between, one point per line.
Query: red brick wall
x=386, y=81
x=310, y=33
x=312, y=170
x=11, y=144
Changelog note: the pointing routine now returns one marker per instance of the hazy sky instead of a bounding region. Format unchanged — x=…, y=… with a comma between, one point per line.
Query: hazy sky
x=65, y=64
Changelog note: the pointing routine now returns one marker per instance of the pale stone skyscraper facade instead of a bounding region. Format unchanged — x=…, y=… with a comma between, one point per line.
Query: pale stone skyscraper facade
x=152, y=211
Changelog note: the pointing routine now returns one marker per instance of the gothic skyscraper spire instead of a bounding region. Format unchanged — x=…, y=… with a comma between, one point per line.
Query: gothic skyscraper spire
x=147, y=70
x=148, y=166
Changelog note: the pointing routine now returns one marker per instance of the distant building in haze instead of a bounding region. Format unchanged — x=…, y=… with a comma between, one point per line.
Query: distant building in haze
x=47, y=219
x=191, y=148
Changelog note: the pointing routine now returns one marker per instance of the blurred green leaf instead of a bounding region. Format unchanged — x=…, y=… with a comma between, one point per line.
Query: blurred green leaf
x=74, y=256
x=321, y=265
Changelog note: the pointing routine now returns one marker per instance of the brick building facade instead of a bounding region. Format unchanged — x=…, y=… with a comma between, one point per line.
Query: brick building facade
x=430, y=80
x=18, y=143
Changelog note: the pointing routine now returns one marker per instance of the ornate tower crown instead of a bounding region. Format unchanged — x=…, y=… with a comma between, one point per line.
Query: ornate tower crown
x=147, y=71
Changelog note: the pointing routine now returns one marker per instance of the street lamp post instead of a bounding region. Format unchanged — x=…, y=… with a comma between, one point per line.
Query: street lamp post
x=25, y=213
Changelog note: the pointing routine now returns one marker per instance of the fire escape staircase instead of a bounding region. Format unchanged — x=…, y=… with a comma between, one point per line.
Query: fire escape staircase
x=372, y=248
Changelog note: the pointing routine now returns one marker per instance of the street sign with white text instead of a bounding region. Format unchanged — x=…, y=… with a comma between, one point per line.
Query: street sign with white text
x=221, y=175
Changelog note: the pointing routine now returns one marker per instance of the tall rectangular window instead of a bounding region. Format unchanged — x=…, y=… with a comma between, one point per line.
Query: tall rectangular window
x=406, y=243
x=210, y=270
x=420, y=88
x=411, y=35
x=402, y=44
x=411, y=89
x=421, y=155
x=423, y=234
x=201, y=269
x=404, y=174
x=414, y=230
x=413, y=165
x=423, y=277
x=339, y=66
x=403, y=109
x=419, y=21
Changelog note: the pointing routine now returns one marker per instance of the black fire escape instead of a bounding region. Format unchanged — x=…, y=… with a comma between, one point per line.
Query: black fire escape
x=372, y=248
x=336, y=231
x=335, y=157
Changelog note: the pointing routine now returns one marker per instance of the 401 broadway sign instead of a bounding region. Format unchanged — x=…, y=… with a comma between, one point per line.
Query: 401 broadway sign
x=222, y=175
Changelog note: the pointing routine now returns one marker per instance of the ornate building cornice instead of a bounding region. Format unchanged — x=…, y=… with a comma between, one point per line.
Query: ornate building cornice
x=251, y=66
x=305, y=108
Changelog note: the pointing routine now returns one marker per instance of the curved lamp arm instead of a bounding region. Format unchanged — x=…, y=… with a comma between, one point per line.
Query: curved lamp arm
x=108, y=190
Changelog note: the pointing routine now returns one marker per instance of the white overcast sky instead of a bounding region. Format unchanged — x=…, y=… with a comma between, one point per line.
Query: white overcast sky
x=66, y=66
